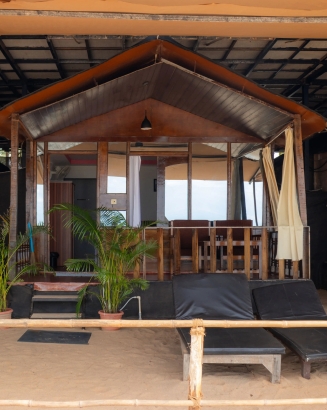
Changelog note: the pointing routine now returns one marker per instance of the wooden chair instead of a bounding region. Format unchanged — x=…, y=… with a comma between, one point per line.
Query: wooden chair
x=187, y=237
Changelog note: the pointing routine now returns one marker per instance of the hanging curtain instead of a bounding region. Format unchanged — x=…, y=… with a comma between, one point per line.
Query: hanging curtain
x=134, y=208
x=39, y=169
x=271, y=181
x=290, y=227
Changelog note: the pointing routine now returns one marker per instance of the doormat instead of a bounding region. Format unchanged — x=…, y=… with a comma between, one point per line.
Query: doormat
x=46, y=336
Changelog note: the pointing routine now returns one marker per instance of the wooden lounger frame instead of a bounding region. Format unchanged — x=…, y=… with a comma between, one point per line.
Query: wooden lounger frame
x=272, y=362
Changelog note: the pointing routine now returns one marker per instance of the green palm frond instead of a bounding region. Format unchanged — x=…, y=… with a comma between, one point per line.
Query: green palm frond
x=118, y=246
x=8, y=263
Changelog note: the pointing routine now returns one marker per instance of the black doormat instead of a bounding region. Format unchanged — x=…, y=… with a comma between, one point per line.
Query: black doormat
x=46, y=336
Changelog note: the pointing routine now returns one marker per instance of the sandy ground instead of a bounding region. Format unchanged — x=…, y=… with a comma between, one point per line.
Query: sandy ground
x=139, y=364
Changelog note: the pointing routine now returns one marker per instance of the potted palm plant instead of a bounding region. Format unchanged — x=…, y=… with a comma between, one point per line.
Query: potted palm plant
x=8, y=264
x=118, y=247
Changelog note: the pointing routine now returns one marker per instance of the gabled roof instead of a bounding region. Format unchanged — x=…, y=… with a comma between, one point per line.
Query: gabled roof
x=162, y=71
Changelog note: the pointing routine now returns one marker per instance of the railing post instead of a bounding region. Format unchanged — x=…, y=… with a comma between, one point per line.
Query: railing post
x=160, y=261
x=177, y=251
x=195, y=250
x=213, y=248
x=264, y=253
x=247, y=253
x=196, y=355
x=230, y=254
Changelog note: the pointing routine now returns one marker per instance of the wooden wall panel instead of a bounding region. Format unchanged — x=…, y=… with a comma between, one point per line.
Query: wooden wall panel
x=62, y=241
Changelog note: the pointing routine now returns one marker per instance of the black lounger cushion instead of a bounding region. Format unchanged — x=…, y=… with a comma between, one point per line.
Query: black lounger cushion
x=298, y=300
x=212, y=296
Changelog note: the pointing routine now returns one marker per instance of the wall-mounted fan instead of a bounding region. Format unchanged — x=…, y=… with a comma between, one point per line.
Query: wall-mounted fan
x=59, y=173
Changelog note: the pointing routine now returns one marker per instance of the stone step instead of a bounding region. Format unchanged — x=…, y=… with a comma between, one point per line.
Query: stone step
x=54, y=316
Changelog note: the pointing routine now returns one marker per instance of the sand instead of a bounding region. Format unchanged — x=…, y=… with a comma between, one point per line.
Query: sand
x=139, y=364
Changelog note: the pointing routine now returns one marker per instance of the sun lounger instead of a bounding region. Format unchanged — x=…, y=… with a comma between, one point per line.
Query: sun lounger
x=224, y=296
x=295, y=301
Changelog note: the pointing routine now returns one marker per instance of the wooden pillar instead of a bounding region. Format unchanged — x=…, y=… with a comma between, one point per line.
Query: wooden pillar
x=230, y=254
x=160, y=256
x=189, y=182
x=128, y=149
x=229, y=180
x=29, y=202
x=102, y=171
x=161, y=189
x=195, y=250
x=46, y=202
x=195, y=375
x=13, y=185
x=299, y=166
x=34, y=181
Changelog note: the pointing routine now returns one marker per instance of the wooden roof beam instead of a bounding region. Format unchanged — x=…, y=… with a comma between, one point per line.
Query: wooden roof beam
x=261, y=56
x=10, y=60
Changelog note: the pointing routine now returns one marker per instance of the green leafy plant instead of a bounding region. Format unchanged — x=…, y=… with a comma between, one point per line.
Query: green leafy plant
x=8, y=264
x=118, y=246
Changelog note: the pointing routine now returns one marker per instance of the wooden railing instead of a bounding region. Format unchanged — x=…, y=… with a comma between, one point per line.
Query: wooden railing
x=254, y=255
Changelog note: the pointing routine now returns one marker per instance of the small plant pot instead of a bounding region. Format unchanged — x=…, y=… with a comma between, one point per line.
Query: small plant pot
x=110, y=316
x=5, y=315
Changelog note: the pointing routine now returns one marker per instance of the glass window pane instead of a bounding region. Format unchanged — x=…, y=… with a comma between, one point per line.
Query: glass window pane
x=117, y=168
x=209, y=188
x=176, y=192
x=249, y=201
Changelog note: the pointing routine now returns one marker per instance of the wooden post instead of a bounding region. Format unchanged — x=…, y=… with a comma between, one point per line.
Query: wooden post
x=128, y=148
x=281, y=269
x=195, y=376
x=46, y=200
x=13, y=186
x=247, y=252
x=189, y=182
x=102, y=171
x=34, y=182
x=229, y=180
x=213, y=252
x=230, y=255
x=264, y=253
x=161, y=189
x=177, y=251
x=29, y=201
x=195, y=251
x=306, y=254
x=160, y=257
x=299, y=166
x=295, y=269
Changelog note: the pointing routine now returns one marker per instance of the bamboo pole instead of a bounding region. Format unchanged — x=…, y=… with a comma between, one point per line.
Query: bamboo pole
x=168, y=323
x=195, y=374
x=165, y=403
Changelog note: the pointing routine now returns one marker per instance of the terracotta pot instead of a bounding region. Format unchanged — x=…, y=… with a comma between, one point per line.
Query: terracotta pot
x=110, y=316
x=5, y=315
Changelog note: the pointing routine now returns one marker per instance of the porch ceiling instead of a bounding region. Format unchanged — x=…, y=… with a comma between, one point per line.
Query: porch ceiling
x=172, y=85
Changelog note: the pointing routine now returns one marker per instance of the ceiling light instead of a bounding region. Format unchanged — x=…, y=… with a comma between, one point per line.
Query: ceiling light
x=146, y=124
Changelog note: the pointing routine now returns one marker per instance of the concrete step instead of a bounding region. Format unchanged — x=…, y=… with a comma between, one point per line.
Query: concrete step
x=54, y=298
x=54, y=316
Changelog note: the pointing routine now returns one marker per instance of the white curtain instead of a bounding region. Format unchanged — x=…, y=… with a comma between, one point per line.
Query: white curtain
x=134, y=208
x=290, y=227
x=271, y=181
